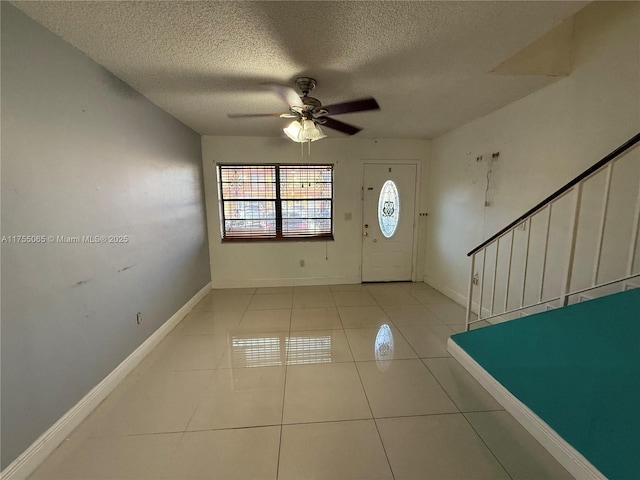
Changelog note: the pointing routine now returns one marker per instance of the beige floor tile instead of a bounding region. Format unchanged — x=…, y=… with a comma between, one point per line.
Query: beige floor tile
x=319, y=393
x=210, y=323
x=399, y=297
x=268, y=290
x=192, y=352
x=306, y=347
x=353, y=299
x=405, y=388
x=315, y=319
x=428, y=340
x=312, y=289
x=271, y=301
x=237, y=454
x=313, y=299
x=437, y=446
x=266, y=320
x=160, y=402
x=125, y=457
x=222, y=292
x=414, y=286
x=93, y=425
x=363, y=317
x=411, y=315
x=473, y=326
x=520, y=454
x=254, y=348
x=463, y=389
x=384, y=287
x=336, y=450
x=160, y=350
x=430, y=295
x=356, y=287
x=449, y=313
x=222, y=303
x=382, y=344
x=241, y=397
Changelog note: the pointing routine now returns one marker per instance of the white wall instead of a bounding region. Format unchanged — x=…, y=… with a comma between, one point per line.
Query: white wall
x=85, y=154
x=544, y=140
x=278, y=263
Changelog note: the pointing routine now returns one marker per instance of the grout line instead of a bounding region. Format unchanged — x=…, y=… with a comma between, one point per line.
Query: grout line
x=386, y=456
x=248, y=427
x=493, y=454
x=284, y=391
x=460, y=412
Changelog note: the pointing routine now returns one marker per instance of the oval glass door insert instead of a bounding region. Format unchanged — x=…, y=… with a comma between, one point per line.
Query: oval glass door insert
x=388, y=208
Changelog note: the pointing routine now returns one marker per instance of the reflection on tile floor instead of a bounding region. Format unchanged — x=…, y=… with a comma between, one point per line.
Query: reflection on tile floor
x=331, y=382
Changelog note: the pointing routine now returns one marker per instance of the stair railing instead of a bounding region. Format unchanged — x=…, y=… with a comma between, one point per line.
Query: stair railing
x=488, y=308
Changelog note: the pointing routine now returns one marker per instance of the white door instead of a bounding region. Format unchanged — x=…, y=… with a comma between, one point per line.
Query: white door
x=389, y=193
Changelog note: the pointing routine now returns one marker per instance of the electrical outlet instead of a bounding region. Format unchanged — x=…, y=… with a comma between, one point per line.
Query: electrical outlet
x=139, y=318
x=302, y=263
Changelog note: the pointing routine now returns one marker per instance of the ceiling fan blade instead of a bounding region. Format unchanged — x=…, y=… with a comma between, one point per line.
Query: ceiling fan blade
x=248, y=115
x=361, y=105
x=338, y=125
x=287, y=93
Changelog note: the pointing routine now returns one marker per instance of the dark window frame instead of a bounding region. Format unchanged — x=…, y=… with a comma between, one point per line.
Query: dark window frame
x=279, y=235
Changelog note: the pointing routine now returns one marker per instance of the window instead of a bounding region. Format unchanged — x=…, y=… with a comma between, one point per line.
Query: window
x=275, y=202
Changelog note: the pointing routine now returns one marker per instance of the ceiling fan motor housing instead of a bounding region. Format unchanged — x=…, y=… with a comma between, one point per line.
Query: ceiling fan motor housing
x=305, y=84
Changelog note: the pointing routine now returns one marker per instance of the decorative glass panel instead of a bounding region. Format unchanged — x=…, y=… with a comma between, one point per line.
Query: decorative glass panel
x=388, y=208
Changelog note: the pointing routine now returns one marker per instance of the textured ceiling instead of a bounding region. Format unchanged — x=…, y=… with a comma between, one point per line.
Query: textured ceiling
x=427, y=63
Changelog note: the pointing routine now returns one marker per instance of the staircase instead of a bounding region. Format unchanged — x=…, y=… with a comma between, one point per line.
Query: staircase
x=579, y=242
x=558, y=287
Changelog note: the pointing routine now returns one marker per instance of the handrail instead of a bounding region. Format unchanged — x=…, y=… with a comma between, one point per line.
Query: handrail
x=595, y=167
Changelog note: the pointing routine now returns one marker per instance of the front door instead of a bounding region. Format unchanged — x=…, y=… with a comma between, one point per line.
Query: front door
x=389, y=194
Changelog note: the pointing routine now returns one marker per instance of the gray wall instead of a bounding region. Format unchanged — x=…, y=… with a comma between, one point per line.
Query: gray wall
x=84, y=154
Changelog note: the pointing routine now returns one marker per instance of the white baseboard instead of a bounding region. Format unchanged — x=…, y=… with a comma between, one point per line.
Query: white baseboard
x=457, y=297
x=31, y=458
x=283, y=282
x=575, y=463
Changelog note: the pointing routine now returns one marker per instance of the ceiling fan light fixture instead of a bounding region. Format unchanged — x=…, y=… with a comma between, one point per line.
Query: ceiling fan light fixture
x=309, y=130
x=321, y=134
x=303, y=131
x=294, y=131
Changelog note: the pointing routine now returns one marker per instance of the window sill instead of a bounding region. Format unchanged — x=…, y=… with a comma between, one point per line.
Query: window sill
x=326, y=238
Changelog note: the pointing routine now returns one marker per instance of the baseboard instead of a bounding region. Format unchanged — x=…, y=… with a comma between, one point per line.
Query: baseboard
x=452, y=294
x=283, y=282
x=575, y=463
x=460, y=299
x=31, y=458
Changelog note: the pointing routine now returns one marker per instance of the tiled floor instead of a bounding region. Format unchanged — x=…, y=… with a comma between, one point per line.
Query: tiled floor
x=340, y=382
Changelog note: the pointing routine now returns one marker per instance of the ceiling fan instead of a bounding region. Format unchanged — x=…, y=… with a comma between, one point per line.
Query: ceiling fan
x=309, y=113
